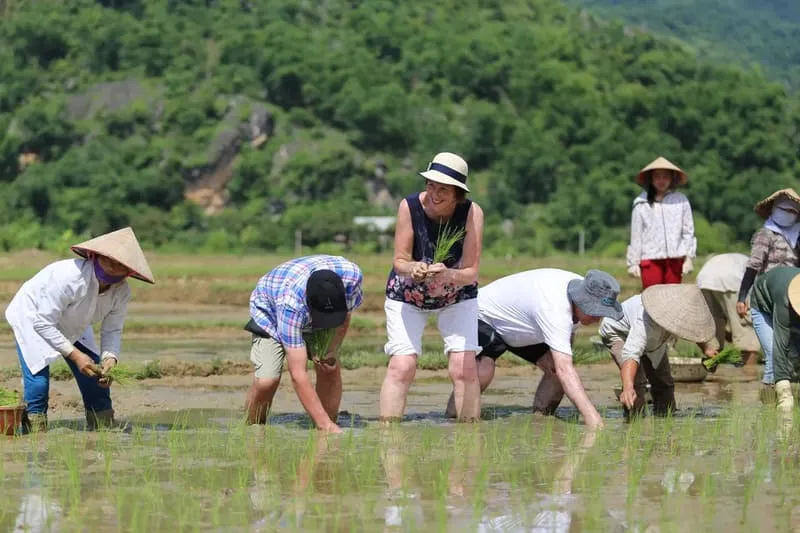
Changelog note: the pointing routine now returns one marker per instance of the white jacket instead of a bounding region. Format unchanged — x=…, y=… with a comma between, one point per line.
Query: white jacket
x=54, y=308
x=663, y=230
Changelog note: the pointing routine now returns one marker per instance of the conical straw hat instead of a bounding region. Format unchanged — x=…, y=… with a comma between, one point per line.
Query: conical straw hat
x=664, y=164
x=764, y=207
x=681, y=309
x=121, y=246
x=794, y=293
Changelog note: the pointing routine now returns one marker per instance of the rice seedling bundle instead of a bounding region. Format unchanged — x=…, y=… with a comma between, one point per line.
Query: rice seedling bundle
x=447, y=238
x=9, y=398
x=319, y=341
x=728, y=355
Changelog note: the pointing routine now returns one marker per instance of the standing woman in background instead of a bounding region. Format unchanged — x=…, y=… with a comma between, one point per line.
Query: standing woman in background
x=774, y=245
x=662, y=230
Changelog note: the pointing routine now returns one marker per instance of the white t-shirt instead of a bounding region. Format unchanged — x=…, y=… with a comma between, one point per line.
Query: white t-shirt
x=530, y=307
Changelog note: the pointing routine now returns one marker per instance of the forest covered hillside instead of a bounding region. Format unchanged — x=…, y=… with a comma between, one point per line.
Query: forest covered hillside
x=762, y=34
x=227, y=125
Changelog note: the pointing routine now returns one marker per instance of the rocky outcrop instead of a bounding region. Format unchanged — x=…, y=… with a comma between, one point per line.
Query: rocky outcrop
x=206, y=184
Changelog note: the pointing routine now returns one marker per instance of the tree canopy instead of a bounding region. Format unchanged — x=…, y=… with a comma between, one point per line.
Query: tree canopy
x=294, y=113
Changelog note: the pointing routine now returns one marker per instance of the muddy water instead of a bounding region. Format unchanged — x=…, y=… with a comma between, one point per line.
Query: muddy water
x=183, y=462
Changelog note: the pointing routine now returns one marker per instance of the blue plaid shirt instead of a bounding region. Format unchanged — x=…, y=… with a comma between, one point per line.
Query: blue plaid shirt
x=278, y=303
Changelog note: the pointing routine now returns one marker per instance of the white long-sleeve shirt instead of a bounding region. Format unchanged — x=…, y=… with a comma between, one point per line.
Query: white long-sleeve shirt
x=662, y=230
x=53, y=309
x=641, y=335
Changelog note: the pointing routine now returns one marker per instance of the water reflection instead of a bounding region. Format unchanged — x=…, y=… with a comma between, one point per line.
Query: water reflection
x=554, y=512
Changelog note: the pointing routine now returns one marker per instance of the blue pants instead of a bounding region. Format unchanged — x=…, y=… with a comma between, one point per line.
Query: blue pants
x=37, y=386
x=762, y=324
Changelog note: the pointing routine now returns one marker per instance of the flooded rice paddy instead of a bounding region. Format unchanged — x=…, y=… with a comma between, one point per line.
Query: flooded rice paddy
x=183, y=461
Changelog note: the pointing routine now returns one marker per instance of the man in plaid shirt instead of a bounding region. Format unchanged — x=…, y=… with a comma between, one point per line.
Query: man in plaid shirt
x=303, y=295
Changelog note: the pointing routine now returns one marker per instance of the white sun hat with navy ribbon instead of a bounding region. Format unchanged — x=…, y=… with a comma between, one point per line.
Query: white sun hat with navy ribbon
x=449, y=169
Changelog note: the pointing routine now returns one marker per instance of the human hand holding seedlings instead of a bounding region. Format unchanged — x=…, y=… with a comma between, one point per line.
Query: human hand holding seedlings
x=106, y=379
x=419, y=271
x=83, y=362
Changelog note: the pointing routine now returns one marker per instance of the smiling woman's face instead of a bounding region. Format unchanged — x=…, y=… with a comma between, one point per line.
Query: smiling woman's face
x=441, y=199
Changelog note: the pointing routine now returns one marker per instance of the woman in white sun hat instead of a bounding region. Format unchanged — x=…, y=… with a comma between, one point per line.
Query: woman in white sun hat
x=419, y=286
x=662, y=229
x=52, y=315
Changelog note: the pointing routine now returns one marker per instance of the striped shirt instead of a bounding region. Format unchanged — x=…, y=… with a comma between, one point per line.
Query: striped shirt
x=278, y=303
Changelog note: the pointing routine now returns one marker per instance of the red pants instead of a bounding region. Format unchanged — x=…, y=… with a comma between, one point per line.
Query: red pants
x=661, y=271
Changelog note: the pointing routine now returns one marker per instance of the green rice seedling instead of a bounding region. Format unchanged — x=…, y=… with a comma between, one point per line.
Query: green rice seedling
x=319, y=342
x=447, y=237
x=9, y=398
x=115, y=374
x=728, y=355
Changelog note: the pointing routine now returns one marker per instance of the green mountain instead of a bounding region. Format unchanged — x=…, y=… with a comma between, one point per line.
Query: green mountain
x=751, y=33
x=228, y=124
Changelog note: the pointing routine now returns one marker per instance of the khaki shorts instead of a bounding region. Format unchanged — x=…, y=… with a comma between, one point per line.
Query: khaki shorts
x=267, y=355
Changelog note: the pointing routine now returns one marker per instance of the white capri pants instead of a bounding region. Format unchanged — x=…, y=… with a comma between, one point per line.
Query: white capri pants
x=405, y=323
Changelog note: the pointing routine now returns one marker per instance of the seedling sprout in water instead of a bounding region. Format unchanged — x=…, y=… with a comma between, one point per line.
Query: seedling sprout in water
x=447, y=238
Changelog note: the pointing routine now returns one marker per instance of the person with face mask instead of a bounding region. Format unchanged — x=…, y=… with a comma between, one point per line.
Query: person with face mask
x=52, y=314
x=774, y=245
x=662, y=228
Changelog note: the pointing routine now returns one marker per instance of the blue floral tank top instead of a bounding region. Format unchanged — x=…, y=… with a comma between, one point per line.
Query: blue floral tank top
x=431, y=294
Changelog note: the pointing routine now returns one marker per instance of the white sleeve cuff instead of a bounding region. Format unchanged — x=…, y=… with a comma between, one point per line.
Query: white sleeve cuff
x=66, y=348
x=109, y=355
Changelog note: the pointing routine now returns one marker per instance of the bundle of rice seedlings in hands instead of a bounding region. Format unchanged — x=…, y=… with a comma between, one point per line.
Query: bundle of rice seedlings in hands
x=319, y=342
x=9, y=398
x=447, y=238
x=115, y=374
x=728, y=355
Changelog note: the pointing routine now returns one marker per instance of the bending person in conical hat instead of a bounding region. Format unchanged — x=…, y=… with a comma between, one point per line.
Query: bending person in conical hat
x=662, y=228
x=639, y=341
x=776, y=297
x=52, y=316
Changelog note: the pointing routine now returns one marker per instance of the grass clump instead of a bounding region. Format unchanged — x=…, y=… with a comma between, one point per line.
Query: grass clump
x=447, y=238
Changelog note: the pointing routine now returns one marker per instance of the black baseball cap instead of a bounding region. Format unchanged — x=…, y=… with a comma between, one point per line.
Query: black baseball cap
x=326, y=299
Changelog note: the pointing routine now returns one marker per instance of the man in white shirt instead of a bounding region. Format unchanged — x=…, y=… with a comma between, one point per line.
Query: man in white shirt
x=52, y=315
x=720, y=280
x=534, y=314
x=639, y=341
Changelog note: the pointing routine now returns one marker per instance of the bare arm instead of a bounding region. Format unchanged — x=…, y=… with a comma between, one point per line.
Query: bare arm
x=297, y=359
x=628, y=374
x=573, y=387
x=467, y=274
x=404, y=242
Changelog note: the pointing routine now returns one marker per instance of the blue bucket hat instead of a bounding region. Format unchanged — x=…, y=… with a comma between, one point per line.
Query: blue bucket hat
x=596, y=295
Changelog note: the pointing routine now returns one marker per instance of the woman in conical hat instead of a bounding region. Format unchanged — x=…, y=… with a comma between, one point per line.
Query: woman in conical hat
x=662, y=229
x=52, y=315
x=773, y=245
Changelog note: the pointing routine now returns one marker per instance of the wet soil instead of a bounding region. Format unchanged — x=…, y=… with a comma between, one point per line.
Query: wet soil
x=190, y=385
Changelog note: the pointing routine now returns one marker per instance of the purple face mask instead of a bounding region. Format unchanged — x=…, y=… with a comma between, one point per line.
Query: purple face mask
x=103, y=277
